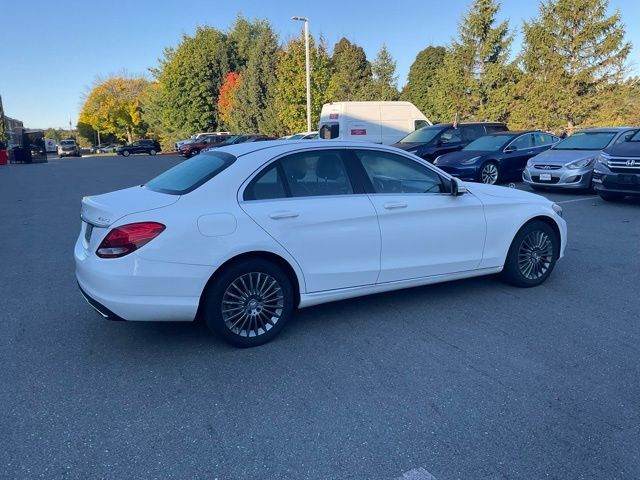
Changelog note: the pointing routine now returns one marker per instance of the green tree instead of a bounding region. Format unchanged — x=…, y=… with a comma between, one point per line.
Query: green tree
x=384, y=83
x=242, y=39
x=253, y=108
x=572, y=53
x=290, y=90
x=423, y=75
x=476, y=76
x=189, y=79
x=351, y=72
x=619, y=104
x=114, y=106
x=3, y=133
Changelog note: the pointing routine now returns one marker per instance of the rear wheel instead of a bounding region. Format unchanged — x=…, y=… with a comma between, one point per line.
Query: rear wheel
x=194, y=152
x=532, y=255
x=125, y=153
x=611, y=196
x=152, y=152
x=489, y=173
x=249, y=303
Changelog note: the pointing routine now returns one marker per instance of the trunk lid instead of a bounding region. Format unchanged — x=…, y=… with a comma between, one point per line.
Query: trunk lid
x=104, y=210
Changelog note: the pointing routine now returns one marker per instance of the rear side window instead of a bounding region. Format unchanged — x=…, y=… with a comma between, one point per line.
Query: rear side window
x=329, y=131
x=316, y=173
x=542, y=139
x=495, y=128
x=190, y=174
x=267, y=185
x=419, y=124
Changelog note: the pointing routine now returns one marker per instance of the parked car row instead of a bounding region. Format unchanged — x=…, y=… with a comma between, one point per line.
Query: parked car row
x=207, y=142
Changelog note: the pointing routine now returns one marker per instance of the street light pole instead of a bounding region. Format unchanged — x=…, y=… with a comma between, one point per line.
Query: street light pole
x=308, y=67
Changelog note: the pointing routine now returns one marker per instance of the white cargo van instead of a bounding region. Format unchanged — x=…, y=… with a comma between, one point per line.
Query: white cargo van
x=376, y=122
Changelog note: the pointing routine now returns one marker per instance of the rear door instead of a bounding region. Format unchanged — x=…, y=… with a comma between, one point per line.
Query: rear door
x=514, y=162
x=308, y=203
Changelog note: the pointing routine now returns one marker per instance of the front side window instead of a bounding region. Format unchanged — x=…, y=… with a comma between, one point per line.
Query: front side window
x=419, y=124
x=390, y=173
x=523, y=142
x=451, y=135
x=267, y=185
x=543, y=139
x=190, y=174
x=316, y=173
x=630, y=136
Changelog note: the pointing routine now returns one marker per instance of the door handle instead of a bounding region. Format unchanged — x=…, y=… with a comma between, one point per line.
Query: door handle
x=395, y=205
x=283, y=214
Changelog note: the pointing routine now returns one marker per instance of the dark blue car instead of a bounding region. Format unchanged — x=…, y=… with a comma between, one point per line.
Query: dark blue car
x=497, y=157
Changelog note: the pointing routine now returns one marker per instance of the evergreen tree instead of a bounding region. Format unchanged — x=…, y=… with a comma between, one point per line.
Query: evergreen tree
x=189, y=79
x=253, y=97
x=290, y=97
x=351, y=72
x=242, y=39
x=572, y=54
x=475, y=74
x=384, y=84
x=3, y=133
x=423, y=75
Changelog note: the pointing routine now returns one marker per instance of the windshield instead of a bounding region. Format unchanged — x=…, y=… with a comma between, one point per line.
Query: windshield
x=67, y=143
x=586, y=141
x=423, y=135
x=190, y=174
x=489, y=143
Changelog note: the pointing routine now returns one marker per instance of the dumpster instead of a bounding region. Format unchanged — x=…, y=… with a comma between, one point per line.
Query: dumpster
x=3, y=157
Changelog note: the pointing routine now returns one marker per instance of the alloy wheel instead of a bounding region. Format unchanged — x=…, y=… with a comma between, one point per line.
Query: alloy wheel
x=535, y=255
x=252, y=304
x=489, y=174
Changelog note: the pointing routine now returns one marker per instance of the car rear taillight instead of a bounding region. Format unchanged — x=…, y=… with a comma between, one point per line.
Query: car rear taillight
x=128, y=238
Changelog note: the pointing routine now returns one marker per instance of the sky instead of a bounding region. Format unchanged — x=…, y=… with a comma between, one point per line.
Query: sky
x=53, y=51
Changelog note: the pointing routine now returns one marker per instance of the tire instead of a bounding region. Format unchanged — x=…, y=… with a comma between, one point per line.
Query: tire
x=490, y=173
x=152, y=152
x=125, y=153
x=194, y=152
x=532, y=255
x=231, y=296
x=611, y=196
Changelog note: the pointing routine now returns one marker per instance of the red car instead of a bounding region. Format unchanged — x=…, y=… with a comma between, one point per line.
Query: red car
x=194, y=147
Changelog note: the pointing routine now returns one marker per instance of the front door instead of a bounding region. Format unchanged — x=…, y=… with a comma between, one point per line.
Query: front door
x=425, y=230
x=307, y=203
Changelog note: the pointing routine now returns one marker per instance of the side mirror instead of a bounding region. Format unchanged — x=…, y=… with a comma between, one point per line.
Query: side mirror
x=456, y=188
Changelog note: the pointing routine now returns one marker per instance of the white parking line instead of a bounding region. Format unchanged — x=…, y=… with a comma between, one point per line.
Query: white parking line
x=577, y=200
x=417, y=474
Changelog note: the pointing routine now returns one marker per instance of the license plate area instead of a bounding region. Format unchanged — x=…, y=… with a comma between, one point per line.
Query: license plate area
x=545, y=177
x=627, y=179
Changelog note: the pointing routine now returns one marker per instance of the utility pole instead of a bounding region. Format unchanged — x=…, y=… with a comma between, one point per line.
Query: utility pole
x=308, y=67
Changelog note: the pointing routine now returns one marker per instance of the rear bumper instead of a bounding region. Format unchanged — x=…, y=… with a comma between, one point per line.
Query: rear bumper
x=136, y=289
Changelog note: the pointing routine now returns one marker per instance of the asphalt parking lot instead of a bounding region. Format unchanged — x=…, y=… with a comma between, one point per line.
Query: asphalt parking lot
x=465, y=380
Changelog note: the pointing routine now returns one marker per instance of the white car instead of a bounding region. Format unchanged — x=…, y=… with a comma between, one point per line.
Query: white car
x=243, y=235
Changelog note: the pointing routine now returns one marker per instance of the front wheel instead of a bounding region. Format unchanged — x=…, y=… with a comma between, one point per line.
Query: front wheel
x=532, y=255
x=194, y=152
x=489, y=173
x=249, y=303
x=610, y=196
x=152, y=152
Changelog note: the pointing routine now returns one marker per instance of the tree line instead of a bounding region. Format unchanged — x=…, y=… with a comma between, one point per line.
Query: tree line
x=569, y=73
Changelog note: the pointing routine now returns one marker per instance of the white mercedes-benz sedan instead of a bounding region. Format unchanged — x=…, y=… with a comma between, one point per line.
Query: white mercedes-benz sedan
x=241, y=236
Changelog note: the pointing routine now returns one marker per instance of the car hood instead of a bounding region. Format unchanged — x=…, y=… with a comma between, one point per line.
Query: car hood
x=103, y=210
x=481, y=189
x=562, y=157
x=455, y=158
x=625, y=149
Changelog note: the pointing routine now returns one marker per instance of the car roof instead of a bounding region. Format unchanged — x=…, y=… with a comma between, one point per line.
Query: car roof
x=606, y=129
x=284, y=146
x=516, y=132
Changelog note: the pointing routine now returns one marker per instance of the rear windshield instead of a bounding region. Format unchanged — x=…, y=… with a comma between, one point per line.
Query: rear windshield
x=586, y=141
x=423, y=135
x=489, y=143
x=192, y=173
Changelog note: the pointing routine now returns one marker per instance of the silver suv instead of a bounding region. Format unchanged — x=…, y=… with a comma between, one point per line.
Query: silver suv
x=68, y=148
